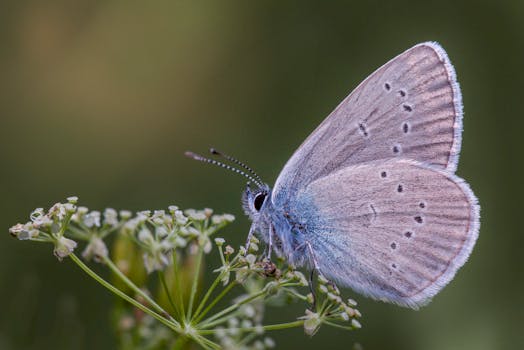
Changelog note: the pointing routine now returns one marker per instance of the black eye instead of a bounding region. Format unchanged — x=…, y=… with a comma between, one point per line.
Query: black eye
x=259, y=200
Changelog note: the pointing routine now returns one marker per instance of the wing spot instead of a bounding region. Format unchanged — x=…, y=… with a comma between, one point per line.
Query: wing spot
x=402, y=93
x=405, y=127
x=387, y=86
x=408, y=234
x=394, y=266
x=407, y=108
x=400, y=188
x=396, y=149
x=383, y=174
x=363, y=130
x=422, y=205
x=419, y=219
x=393, y=245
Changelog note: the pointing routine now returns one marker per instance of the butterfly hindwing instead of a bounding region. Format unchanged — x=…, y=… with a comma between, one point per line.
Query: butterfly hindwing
x=408, y=108
x=394, y=230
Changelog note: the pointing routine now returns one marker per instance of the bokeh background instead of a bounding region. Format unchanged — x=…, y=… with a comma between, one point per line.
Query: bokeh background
x=100, y=98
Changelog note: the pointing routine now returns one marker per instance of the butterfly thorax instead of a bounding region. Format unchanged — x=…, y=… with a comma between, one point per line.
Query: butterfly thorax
x=279, y=225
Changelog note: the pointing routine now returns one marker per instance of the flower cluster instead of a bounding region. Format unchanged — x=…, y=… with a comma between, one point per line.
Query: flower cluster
x=50, y=227
x=178, y=308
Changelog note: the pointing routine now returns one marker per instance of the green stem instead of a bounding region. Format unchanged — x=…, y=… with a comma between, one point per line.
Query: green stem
x=136, y=289
x=222, y=319
x=208, y=294
x=195, y=283
x=206, y=343
x=162, y=278
x=332, y=324
x=296, y=294
x=175, y=327
x=248, y=338
x=178, y=288
x=271, y=327
x=209, y=321
x=215, y=301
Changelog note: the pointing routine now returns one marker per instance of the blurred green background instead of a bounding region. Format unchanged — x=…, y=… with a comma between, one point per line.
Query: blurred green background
x=100, y=98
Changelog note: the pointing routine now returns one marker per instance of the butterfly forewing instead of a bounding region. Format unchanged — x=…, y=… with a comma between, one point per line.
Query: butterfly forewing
x=408, y=108
x=395, y=230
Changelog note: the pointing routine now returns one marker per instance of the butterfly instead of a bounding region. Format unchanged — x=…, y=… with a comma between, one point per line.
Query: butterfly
x=370, y=199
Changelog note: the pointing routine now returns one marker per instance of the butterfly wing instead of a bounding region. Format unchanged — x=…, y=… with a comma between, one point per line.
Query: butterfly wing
x=409, y=108
x=395, y=230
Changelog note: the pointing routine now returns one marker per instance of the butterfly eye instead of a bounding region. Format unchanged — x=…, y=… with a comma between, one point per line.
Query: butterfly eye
x=259, y=200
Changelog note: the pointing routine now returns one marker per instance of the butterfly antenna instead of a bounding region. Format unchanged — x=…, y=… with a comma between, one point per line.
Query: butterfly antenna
x=236, y=161
x=220, y=164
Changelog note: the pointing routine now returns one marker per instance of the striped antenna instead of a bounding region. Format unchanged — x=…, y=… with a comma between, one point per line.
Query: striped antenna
x=220, y=164
x=236, y=161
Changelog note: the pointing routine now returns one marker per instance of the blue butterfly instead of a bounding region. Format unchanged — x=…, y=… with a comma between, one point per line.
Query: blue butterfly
x=370, y=199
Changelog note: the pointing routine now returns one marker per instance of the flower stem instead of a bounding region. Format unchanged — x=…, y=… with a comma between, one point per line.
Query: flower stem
x=175, y=327
x=195, y=283
x=215, y=301
x=209, y=322
x=176, y=274
x=336, y=325
x=208, y=294
x=136, y=289
x=162, y=278
x=271, y=327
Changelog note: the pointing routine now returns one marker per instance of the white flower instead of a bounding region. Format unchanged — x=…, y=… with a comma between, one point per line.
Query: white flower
x=16, y=229
x=155, y=262
x=110, y=217
x=72, y=199
x=249, y=311
x=95, y=249
x=80, y=212
x=195, y=215
x=344, y=316
x=312, y=322
x=92, y=219
x=180, y=218
x=352, y=302
x=64, y=247
x=144, y=213
x=205, y=242
x=145, y=236
x=24, y=232
x=301, y=278
x=57, y=210
x=229, y=250
x=246, y=324
x=125, y=214
x=161, y=231
x=70, y=207
x=251, y=259
x=269, y=342
x=36, y=214
x=228, y=217
x=355, y=324
x=218, y=219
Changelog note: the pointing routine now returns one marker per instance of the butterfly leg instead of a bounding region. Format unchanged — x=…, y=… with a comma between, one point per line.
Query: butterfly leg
x=249, y=235
x=270, y=242
x=312, y=275
x=312, y=290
